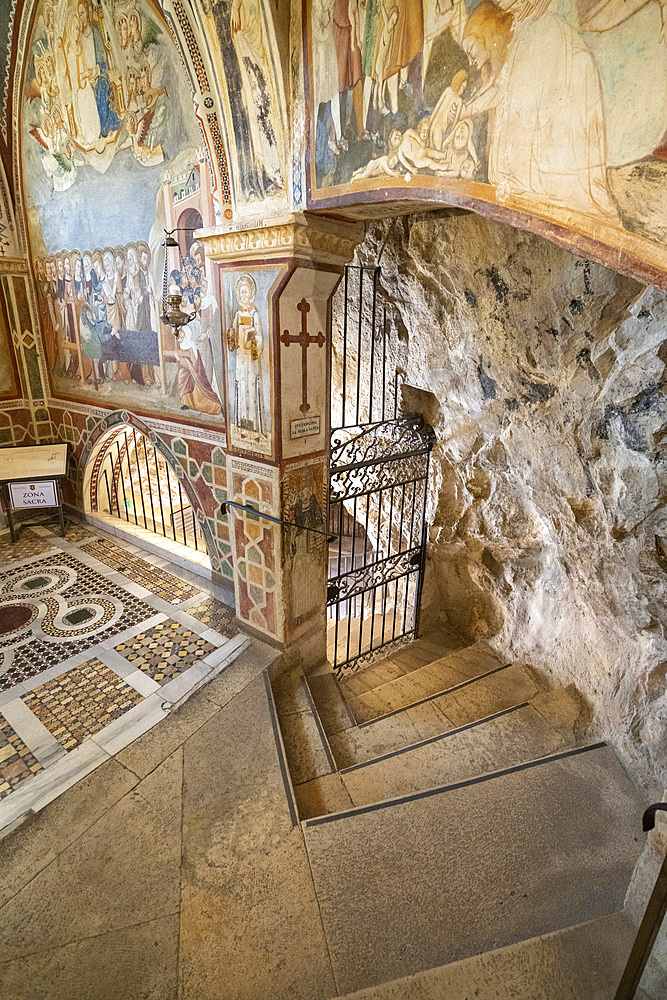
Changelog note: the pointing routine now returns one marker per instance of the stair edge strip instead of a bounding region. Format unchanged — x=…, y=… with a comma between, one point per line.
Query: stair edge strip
x=437, y=694
x=441, y=789
x=353, y=721
x=434, y=739
x=320, y=727
x=280, y=749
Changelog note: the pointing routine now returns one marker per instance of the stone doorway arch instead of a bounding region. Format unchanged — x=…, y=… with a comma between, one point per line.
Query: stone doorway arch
x=132, y=479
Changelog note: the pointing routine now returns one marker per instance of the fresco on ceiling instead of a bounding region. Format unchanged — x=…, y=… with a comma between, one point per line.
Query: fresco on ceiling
x=247, y=60
x=552, y=106
x=112, y=158
x=96, y=86
x=248, y=340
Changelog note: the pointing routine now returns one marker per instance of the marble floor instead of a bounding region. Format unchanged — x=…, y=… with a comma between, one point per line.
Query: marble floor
x=98, y=642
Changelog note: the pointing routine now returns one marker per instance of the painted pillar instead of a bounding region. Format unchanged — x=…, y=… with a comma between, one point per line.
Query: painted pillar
x=276, y=281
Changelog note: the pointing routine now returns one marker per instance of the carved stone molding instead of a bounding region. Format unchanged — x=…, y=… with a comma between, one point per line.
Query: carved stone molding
x=10, y=265
x=314, y=237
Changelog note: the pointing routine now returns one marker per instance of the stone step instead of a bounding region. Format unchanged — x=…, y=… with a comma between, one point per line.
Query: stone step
x=505, y=740
x=424, y=682
x=330, y=703
x=352, y=746
x=425, y=880
x=484, y=696
x=567, y=710
x=487, y=695
x=306, y=746
x=431, y=646
x=584, y=962
x=321, y=796
x=350, y=629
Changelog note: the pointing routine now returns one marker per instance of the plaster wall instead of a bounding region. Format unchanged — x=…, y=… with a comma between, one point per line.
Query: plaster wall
x=543, y=376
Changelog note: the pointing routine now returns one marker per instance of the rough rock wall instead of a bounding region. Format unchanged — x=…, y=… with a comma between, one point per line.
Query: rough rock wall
x=543, y=375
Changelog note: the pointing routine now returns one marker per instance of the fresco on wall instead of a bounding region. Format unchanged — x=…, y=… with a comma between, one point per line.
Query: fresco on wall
x=112, y=158
x=248, y=344
x=8, y=384
x=247, y=60
x=556, y=106
x=99, y=315
x=304, y=504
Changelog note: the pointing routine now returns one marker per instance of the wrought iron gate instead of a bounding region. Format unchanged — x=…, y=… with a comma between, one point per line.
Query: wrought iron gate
x=378, y=478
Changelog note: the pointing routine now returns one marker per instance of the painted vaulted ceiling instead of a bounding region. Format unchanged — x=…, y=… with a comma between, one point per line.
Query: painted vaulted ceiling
x=548, y=114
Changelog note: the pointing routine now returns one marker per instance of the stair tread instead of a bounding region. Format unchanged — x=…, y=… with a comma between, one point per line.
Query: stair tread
x=505, y=741
x=582, y=962
x=355, y=745
x=488, y=695
x=319, y=796
x=289, y=693
x=428, y=720
x=305, y=749
x=423, y=682
x=431, y=646
x=473, y=868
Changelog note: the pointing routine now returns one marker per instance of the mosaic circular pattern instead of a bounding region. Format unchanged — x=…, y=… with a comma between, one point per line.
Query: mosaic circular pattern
x=37, y=583
x=16, y=616
x=65, y=624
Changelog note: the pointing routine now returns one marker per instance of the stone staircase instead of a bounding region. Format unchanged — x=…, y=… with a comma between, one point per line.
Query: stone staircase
x=464, y=825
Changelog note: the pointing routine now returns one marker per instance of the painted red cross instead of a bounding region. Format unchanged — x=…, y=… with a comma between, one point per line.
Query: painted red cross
x=305, y=339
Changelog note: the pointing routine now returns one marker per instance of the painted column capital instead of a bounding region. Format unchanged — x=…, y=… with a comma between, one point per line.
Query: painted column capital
x=317, y=238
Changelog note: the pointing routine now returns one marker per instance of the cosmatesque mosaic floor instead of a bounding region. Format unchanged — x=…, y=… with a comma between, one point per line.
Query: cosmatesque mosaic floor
x=90, y=632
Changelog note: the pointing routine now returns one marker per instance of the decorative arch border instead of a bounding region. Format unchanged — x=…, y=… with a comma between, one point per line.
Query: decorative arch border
x=99, y=441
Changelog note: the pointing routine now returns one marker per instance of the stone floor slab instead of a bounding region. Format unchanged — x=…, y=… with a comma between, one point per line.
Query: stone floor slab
x=45, y=835
x=146, y=752
x=580, y=963
x=134, y=963
x=250, y=922
x=123, y=870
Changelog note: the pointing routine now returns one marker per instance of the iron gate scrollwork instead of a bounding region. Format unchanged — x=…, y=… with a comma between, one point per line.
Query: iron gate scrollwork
x=378, y=482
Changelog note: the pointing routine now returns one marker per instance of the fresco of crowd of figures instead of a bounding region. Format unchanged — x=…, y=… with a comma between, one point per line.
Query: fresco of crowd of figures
x=113, y=157
x=555, y=107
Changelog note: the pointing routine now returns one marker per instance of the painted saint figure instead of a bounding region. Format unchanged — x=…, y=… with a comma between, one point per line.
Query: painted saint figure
x=94, y=68
x=259, y=86
x=547, y=139
x=246, y=338
x=195, y=391
x=306, y=551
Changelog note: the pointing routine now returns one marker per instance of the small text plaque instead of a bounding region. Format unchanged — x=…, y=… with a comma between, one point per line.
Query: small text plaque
x=25, y=496
x=305, y=427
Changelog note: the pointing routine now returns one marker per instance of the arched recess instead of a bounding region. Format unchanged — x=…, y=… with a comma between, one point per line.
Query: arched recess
x=108, y=443
x=188, y=221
